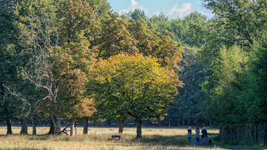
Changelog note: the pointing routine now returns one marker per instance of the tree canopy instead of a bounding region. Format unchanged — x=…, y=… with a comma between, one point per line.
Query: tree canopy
x=133, y=85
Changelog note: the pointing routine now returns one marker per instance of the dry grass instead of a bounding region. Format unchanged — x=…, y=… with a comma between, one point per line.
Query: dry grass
x=100, y=139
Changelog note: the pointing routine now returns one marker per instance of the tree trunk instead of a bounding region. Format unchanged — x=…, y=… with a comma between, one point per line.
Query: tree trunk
x=265, y=134
x=57, y=124
x=24, y=126
x=121, y=124
x=255, y=134
x=221, y=135
x=8, y=125
x=72, y=123
x=33, y=125
x=139, y=128
x=51, y=130
x=85, y=126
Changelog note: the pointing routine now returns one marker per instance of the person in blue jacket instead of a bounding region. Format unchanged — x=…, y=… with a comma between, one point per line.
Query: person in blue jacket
x=204, y=135
x=189, y=135
x=197, y=135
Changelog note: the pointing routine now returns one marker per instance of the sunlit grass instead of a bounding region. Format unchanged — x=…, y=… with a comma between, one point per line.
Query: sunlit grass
x=100, y=139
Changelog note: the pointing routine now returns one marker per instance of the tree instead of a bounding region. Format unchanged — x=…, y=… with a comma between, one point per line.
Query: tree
x=221, y=106
x=117, y=37
x=193, y=31
x=248, y=17
x=74, y=62
x=16, y=104
x=60, y=54
x=135, y=85
x=8, y=61
x=253, y=85
x=160, y=22
x=190, y=99
x=138, y=14
x=75, y=57
x=158, y=45
x=37, y=25
x=102, y=8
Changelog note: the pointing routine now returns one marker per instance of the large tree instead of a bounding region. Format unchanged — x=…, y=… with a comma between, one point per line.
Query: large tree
x=9, y=62
x=37, y=24
x=75, y=58
x=135, y=85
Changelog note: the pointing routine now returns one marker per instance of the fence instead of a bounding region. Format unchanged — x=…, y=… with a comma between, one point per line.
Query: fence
x=252, y=135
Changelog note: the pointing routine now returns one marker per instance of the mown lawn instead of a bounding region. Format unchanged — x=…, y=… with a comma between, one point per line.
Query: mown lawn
x=100, y=139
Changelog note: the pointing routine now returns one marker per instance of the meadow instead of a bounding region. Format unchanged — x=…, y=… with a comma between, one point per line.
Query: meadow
x=100, y=139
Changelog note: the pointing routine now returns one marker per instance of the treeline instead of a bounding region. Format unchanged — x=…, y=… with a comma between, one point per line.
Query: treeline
x=76, y=59
x=223, y=68
x=236, y=97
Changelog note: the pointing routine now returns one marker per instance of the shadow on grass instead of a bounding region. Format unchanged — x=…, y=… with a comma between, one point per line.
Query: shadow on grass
x=40, y=137
x=78, y=138
x=23, y=149
x=180, y=140
x=159, y=140
x=5, y=135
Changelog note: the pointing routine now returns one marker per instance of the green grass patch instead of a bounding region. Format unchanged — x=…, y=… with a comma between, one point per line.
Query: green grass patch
x=252, y=147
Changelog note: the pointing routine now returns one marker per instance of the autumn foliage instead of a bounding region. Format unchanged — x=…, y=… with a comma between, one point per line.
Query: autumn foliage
x=132, y=85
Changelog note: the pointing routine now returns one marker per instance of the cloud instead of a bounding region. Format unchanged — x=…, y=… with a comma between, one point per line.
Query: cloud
x=125, y=11
x=134, y=3
x=180, y=12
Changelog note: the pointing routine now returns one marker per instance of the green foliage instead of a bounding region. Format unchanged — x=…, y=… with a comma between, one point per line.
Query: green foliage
x=55, y=39
x=137, y=14
x=116, y=37
x=132, y=85
x=160, y=22
x=253, y=83
x=74, y=57
x=190, y=99
x=222, y=107
x=8, y=60
x=151, y=43
x=192, y=30
x=235, y=87
x=247, y=17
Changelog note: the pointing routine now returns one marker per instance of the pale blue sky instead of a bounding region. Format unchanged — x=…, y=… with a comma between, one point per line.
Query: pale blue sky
x=171, y=8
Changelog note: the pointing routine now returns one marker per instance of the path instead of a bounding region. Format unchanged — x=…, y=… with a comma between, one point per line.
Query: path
x=233, y=148
x=227, y=148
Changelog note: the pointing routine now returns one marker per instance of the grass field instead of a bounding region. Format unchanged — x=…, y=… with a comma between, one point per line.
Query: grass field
x=100, y=139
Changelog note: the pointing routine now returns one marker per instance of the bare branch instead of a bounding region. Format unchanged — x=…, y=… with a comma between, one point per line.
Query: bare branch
x=14, y=93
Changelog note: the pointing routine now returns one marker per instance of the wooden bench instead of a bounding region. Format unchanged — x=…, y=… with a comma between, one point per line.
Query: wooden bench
x=116, y=136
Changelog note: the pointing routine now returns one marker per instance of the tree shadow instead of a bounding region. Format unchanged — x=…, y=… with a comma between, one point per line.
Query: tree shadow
x=159, y=140
x=23, y=148
x=41, y=137
x=178, y=140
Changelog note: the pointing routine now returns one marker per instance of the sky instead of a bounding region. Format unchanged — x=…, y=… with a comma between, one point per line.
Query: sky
x=171, y=8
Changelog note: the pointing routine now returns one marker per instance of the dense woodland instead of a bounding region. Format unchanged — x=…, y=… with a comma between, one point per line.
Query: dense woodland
x=78, y=60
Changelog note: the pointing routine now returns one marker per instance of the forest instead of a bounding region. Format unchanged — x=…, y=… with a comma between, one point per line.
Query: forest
x=77, y=60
